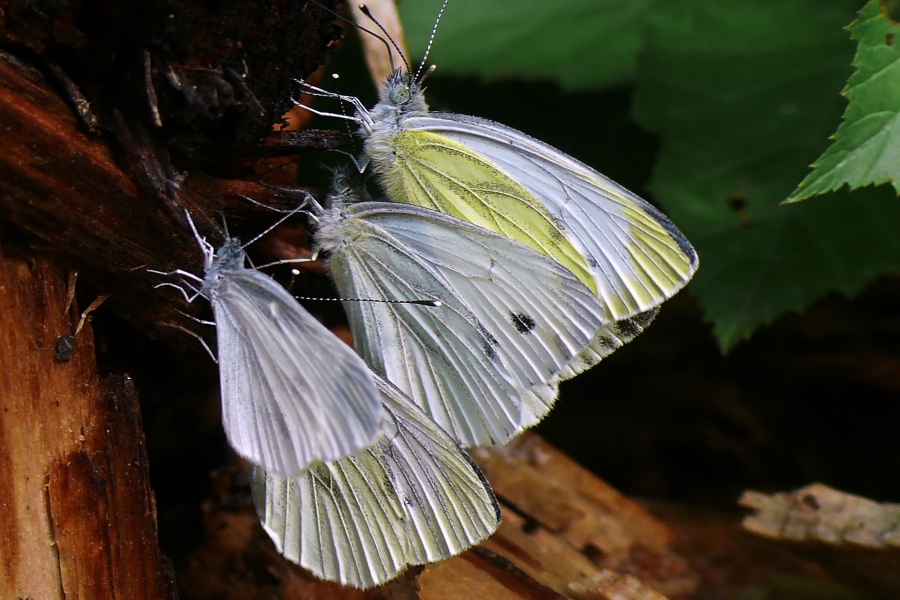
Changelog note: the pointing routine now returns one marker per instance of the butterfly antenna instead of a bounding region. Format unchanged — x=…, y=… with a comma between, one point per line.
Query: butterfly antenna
x=205, y=247
x=280, y=221
x=365, y=10
x=361, y=28
x=431, y=42
x=337, y=79
x=432, y=303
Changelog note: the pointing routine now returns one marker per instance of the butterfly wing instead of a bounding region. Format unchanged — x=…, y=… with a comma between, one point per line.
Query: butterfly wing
x=292, y=392
x=607, y=340
x=412, y=498
x=440, y=356
x=638, y=258
x=508, y=313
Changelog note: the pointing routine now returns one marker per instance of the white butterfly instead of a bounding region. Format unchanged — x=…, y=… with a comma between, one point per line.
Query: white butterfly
x=414, y=497
x=621, y=247
x=483, y=365
x=292, y=392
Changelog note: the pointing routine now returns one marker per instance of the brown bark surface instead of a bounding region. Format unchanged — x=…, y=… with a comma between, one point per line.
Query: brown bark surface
x=77, y=516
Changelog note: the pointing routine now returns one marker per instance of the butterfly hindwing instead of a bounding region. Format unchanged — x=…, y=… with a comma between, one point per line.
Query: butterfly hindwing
x=414, y=497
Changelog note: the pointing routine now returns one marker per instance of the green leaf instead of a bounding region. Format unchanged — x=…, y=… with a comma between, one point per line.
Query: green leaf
x=743, y=96
x=748, y=277
x=866, y=148
x=581, y=44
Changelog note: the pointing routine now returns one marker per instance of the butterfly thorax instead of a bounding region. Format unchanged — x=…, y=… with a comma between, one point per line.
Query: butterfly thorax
x=230, y=257
x=335, y=231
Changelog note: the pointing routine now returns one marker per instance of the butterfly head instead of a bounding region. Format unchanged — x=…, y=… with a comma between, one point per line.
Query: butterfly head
x=403, y=94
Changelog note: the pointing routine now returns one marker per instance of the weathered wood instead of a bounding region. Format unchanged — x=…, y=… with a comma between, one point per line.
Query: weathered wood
x=579, y=525
x=77, y=516
x=857, y=540
x=69, y=190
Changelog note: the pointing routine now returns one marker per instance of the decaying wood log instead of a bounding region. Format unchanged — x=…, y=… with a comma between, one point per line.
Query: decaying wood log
x=77, y=516
x=91, y=188
x=576, y=525
x=856, y=539
x=68, y=189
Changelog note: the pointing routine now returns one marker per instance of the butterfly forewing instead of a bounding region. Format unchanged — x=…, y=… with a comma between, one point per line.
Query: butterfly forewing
x=292, y=392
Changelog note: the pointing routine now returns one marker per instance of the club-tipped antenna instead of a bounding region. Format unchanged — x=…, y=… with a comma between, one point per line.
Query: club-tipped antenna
x=432, y=303
x=426, y=74
x=430, y=42
x=365, y=10
x=361, y=28
x=337, y=83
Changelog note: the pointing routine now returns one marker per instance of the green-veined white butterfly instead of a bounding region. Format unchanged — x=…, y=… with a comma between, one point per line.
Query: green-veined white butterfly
x=620, y=246
x=414, y=497
x=292, y=392
x=484, y=364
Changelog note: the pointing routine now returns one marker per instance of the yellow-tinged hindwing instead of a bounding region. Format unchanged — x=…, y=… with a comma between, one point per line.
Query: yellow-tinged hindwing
x=435, y=172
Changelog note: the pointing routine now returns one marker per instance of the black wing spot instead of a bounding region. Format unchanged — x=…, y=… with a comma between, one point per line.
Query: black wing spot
x=643, y=319
x=607, y=343
x=488, y=343
x=523, y=323
x=628, y=328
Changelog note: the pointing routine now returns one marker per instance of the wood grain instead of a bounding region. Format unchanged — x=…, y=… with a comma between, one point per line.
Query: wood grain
x=77, y=516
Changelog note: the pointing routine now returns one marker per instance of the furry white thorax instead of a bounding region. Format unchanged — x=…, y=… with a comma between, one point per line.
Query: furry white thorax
x=333, y=232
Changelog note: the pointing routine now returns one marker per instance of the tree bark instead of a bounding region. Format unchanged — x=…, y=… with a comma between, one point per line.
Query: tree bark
x=77, y=516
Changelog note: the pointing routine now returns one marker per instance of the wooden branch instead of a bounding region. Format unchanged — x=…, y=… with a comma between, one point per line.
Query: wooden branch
x=77, y=516
x=856, y=539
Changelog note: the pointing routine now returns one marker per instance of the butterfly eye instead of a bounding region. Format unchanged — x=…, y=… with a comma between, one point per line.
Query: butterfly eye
x=399, y=95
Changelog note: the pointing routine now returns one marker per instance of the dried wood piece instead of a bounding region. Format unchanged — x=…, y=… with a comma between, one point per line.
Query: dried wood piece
x=820, y=513
x=855, y=539
x=77, y=516
x=609, y=585
x=580, y=512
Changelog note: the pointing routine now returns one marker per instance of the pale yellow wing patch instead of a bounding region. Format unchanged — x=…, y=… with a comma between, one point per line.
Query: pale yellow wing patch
x=435, y=172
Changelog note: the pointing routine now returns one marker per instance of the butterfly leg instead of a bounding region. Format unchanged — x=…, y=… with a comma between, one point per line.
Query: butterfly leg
x=181, y=272
x=193, y=335
x=187, y=297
